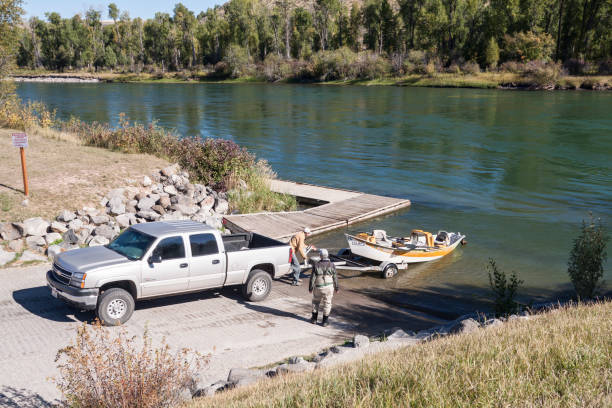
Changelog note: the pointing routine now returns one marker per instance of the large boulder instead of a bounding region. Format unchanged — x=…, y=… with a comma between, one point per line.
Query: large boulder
x=360, y=341
x=185, y=209
x=105, y=231
x=16, y=245
x=52, y=237
x=211, y=389
x=464, y=326
x=300, y=367
x=170, y=170
x=70, y=237
x=9, y=232
x=54, y=250
x=98, y=240
x=243, y=376
x=100, y=219
x=75, y=224
x=148, y=215
x=207, y=202
x=35, y=242
x=165, y=202
x=66, y=216
x=170, y=189
x=116, y=206
x=28, y=256
x=221, y=206
x=35, y=226
x=6, y=257
x=124, y=220
x=57, y=226
x=145, y=203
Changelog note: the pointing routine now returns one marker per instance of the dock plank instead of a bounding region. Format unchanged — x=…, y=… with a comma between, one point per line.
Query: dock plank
x=348, y=207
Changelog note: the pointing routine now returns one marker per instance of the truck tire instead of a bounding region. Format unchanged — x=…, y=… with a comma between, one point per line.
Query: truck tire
x=257, y=286
x=115, y=307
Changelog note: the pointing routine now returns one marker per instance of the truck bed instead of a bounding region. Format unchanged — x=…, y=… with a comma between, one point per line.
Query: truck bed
x=246, y=241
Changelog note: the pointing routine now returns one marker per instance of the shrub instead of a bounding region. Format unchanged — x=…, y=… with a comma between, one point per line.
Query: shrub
x=210, y=161
x=528, y=46
x=503, y=288
x=101, y=370
x=397, y=64
x=371, y=66
x=605, y=67
x=585, y=264
x=334, y=65
x=453, y=68
x=470, y=67
x=542, y=75
x=513, y=67
x=237, y=60
x=416, y=62
x=16, y=115
x=276, y=68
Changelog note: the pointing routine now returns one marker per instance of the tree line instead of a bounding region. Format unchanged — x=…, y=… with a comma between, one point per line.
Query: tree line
x=486, y=32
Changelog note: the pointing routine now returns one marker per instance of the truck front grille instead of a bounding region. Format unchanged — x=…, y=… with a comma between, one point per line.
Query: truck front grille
x=61, y=274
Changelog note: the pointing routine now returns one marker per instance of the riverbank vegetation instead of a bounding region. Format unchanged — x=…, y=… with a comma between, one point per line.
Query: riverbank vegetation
x=218, y=163
x=436, y=41
x=562, y=358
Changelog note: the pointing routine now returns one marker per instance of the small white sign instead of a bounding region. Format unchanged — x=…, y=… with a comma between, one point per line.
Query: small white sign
x=20, y=139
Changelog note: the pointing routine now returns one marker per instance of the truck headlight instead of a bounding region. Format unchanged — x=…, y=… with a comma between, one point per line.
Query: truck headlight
x=79, y=279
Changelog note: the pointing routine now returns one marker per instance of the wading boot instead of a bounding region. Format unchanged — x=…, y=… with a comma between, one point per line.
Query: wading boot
x=325, y=323
x=313, y=319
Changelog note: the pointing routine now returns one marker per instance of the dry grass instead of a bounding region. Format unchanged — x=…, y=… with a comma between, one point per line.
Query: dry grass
x=560, y=359
x=63, y=173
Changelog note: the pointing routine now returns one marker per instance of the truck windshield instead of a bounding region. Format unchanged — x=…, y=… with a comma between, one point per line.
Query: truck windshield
x=132, y=244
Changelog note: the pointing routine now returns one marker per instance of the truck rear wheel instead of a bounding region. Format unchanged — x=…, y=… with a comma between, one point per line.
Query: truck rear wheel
x=115, y=307
x=257, y=286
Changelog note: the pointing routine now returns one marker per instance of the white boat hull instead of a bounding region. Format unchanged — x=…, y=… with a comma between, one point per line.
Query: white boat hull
x=381, y=253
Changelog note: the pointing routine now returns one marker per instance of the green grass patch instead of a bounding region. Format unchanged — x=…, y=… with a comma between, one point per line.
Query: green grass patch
x=558, y=359
x=6, y=202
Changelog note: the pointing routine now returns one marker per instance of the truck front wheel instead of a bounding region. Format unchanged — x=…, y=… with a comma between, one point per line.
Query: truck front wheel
x=115, y=307
x=257, y=286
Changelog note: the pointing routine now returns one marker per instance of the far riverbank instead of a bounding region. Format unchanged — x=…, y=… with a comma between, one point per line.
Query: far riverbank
x=484, y=80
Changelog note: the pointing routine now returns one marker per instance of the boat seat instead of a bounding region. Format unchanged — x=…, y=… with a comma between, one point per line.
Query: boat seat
x=381, y=236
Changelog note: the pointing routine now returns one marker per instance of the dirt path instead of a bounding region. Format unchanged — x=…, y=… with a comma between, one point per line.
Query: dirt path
x=237, y=333
x=63, y=174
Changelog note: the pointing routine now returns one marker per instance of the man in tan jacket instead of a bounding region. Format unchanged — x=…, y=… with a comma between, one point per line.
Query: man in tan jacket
x=298, y=244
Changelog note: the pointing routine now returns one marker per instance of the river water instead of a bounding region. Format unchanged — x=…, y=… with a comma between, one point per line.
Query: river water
x=515, y=171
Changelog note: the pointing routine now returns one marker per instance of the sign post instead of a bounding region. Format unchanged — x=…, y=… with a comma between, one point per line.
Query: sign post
x=20, y=140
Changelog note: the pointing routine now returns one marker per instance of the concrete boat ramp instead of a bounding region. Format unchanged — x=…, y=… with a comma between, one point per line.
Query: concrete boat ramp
x=335, y=208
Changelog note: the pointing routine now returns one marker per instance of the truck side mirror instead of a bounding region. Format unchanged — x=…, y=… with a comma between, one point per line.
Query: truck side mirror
x=155, y=258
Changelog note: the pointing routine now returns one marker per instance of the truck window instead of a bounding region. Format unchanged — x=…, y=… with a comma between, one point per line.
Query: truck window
x=171, y=248
x=203, y=244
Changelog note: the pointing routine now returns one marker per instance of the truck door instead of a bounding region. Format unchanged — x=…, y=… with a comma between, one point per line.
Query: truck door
x=169, y=275
x=207, y=269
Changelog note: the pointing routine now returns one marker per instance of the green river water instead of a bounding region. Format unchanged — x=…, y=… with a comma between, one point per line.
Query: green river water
x=515, y=171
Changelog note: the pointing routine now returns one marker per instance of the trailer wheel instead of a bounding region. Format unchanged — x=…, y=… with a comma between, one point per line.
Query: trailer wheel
x=389, y=271
x=115, y=307
x=258, y=286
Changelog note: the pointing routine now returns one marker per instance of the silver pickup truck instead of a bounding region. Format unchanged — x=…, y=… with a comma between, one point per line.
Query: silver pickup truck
x=165, y=258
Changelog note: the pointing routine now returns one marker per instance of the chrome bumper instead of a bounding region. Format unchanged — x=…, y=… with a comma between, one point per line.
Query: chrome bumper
x=86, y=299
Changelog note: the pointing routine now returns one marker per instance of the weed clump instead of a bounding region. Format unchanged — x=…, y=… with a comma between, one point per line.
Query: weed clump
x=585, y=264
x=101, y=370
x=504, y=289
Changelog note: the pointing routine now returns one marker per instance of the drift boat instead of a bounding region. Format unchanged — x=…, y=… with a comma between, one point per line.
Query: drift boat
x=420, y=246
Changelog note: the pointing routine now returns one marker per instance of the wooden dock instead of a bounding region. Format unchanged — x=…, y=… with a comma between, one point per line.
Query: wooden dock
x=336, y=208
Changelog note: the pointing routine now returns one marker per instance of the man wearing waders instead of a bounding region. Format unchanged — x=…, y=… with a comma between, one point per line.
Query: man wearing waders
x=323, y=283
